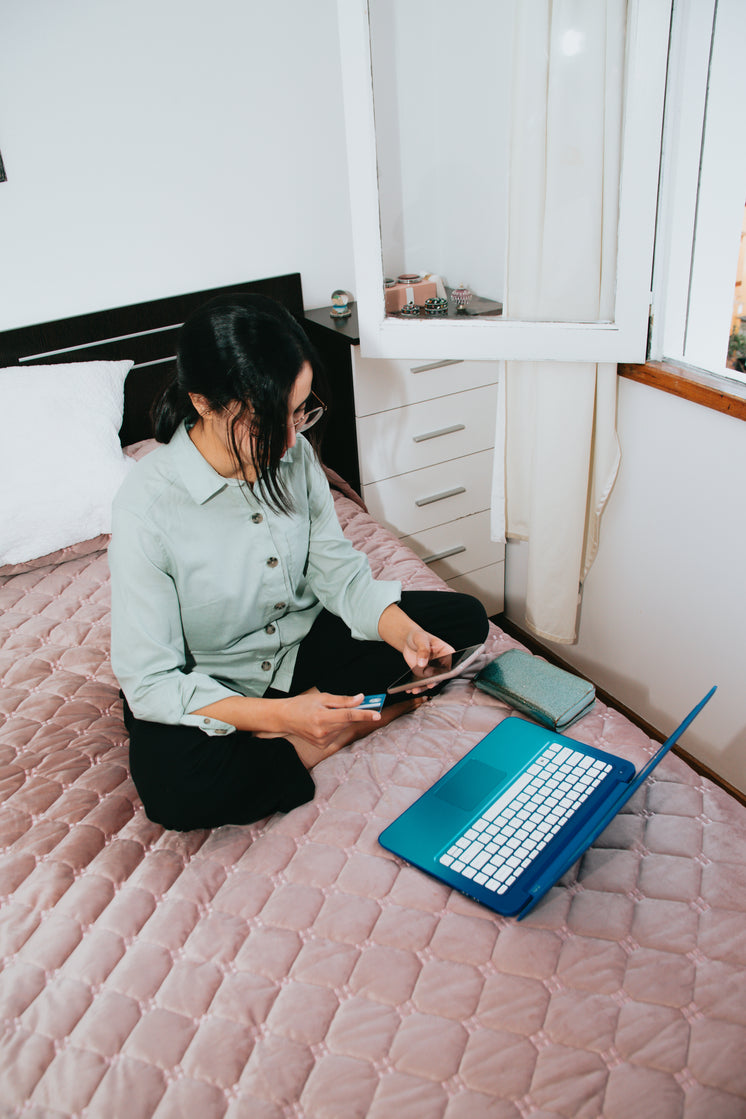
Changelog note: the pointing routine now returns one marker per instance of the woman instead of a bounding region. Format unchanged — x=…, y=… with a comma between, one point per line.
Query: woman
x=245, y=627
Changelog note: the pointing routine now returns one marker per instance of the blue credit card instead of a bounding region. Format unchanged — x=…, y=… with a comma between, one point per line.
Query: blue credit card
x=372, y=702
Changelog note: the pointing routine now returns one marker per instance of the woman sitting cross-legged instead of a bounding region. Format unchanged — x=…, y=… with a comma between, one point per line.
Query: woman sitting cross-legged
x=245, y=627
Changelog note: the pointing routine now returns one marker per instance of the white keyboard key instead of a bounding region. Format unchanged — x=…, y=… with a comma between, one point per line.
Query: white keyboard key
x=472, y=850
x=503, y=873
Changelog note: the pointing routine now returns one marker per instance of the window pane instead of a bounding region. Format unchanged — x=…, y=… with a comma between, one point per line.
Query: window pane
x=737, y=344
x=704, y=186
x=441, y=87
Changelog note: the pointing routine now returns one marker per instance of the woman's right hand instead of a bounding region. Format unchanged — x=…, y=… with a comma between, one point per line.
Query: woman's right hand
x=320, y=717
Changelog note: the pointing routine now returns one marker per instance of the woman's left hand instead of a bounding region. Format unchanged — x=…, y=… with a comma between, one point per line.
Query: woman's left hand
x=416, y=645
x=421, y=647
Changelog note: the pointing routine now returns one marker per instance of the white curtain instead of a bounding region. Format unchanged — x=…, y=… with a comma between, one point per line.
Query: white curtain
x=561, y=449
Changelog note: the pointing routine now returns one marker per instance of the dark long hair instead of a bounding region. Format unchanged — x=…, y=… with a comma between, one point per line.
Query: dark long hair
x=246, y=349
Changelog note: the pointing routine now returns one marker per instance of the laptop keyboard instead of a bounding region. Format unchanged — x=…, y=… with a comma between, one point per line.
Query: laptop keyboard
x=509, y=835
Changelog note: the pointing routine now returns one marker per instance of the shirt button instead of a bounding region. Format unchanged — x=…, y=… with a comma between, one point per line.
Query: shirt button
x=266, y=665
x=280, y=605
x=272, y=561
x=205, y=722
x=270, y=629
x=257, y=518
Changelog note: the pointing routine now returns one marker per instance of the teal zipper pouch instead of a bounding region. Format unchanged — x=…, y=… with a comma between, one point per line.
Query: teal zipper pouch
x=550, y=695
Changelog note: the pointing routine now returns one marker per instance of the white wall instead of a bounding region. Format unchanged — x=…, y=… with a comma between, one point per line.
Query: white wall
x=160, y=146
x=664, y=607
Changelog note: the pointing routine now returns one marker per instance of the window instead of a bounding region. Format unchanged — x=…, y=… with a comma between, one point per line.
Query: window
x=632, y=101
x=696, y=300
x=737, y=340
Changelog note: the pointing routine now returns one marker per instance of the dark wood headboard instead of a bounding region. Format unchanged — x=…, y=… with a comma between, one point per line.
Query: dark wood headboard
x=145, y=333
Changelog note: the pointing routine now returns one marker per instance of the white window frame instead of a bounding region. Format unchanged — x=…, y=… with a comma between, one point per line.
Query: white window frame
x=622, y=339
x=703, y=187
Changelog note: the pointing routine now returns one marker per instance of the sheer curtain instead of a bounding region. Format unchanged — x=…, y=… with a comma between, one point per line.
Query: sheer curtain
x=561, y=449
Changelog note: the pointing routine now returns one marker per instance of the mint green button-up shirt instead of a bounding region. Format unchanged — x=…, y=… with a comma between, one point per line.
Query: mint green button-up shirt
x=212, y=590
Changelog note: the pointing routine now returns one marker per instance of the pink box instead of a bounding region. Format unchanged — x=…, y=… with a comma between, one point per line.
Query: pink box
x=399, y=295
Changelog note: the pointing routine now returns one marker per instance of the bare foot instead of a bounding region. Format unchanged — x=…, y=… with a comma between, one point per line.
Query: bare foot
x=311, y=755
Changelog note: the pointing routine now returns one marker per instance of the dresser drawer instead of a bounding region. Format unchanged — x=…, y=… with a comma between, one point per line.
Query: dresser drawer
x=424, y=498
x=382, y=383
x=423, y=434
x=457, y=547
x=487, y=584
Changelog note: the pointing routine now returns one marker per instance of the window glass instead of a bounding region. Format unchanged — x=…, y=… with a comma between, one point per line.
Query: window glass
x=441, y=88
x=698, y=293
x=737, y=341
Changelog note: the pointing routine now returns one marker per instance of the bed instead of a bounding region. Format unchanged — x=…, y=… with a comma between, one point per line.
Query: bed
x=294, y=968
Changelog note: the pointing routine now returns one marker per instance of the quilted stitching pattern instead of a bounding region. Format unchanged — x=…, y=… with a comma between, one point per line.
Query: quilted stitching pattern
x=295, y=969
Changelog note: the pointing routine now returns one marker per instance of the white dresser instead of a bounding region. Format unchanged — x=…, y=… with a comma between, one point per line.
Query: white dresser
x=425, y=436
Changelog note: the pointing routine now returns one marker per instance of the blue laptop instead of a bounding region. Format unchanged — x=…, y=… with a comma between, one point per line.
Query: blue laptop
x=514, y=814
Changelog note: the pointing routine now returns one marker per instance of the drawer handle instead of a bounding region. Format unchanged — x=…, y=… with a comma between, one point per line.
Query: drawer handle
x=440, y=496
x=435, y=365
x=436, y=434
x=445, y=555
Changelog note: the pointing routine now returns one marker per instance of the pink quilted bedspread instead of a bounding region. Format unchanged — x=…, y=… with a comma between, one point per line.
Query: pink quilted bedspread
x=294, y=968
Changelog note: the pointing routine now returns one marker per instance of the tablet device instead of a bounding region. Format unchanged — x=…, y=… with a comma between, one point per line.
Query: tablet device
x=443, y=668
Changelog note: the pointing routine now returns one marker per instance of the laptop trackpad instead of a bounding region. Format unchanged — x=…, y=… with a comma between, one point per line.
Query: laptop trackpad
x=470, y=784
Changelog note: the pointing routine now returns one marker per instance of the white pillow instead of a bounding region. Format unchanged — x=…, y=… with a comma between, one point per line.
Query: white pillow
x=60, y=458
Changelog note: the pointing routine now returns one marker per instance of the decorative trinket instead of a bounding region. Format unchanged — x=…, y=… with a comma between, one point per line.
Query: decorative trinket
x=341, y=304
x=461, y=296
x=436, y=306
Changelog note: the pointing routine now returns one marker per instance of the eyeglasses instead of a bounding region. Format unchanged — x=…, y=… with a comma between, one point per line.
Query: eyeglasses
x=308, y=418
x=303, y=417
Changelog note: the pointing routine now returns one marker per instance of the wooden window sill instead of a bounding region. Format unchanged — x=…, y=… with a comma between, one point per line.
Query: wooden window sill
x=718, y=393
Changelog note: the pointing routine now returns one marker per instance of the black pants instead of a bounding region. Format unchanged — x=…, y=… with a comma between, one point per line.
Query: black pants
x=187, y=779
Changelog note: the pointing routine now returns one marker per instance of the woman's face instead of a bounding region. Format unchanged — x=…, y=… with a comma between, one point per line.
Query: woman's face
x=215, y=441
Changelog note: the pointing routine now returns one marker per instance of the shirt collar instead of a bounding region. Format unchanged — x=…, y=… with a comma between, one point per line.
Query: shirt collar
x=202, y=480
